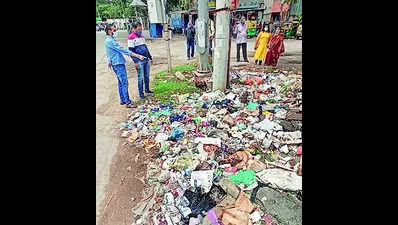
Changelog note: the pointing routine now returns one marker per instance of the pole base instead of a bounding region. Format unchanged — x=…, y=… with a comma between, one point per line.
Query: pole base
x=203, y=79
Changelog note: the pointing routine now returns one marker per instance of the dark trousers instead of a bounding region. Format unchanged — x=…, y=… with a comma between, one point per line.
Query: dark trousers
x=190, y=48
x=244, y=49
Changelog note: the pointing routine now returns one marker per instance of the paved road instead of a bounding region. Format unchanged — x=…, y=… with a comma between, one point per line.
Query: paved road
x=108, y=115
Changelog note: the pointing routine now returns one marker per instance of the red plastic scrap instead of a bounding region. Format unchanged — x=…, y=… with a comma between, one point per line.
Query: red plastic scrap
x=209, y=148
x=299, y=150
x=250, y=81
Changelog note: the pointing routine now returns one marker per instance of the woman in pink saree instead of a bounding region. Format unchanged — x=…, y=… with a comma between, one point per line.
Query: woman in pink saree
x=275, y=48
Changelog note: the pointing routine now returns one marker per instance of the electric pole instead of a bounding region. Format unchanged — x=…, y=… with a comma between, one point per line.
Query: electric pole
x=202, y=35
x=221, y=46
x=167, y=34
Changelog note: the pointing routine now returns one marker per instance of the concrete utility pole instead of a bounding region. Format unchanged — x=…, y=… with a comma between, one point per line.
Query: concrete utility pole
x=203, y=35
x=221, y=46
x=167, y=37
x=167, y=34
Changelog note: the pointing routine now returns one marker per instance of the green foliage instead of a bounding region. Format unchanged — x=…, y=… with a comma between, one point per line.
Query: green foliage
x=113, y=9
x=166, y=85
x=300, y=16
x=184, y=68
x=290, y=2
x=169, y=87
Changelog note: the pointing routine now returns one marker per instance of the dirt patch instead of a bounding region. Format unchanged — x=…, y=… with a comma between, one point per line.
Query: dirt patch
x=125, y=187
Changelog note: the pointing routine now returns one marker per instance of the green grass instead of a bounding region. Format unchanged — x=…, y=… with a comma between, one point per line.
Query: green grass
x=165, y=86
x=184, y=67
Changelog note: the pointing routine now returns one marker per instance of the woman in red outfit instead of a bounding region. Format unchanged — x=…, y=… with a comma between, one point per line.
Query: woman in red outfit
x=275, y=48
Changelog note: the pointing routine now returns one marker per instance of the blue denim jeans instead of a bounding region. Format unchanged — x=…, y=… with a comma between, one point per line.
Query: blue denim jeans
x=143, y=76
x=190, y=46
x=123, y=84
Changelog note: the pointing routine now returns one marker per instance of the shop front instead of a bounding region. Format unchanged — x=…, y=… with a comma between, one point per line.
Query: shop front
x=253, y=13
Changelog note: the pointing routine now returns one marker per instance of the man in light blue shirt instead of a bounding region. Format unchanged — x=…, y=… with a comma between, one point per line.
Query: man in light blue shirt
x=116, y=60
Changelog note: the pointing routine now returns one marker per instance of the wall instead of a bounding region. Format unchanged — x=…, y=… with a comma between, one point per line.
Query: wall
x=267, y=11
x=155, y=12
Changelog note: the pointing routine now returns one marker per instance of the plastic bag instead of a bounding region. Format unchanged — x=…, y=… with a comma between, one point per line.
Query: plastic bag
x=246, y=177
x=199, y=202
x=202, y=178
x=176, y=134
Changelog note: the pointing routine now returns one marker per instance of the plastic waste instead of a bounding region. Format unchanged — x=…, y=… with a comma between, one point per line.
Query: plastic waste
x=255, y=216
x=243, y=203
x=211, y=214
x=238, y=159
x=252, y=105
x=160, y=137
x=235, y=216
x=183, y=162
x=241, y=126
x=246, y=177
x=208, y=141
x=229, y=187
x=299, y=150
x=284, y=149
x=210, y=148
x=281, y=178
x=199, y=202
x=125, y=134
x=194, y=221
x=176, y=134
x=267, y=125
x=202, y=178
x=230, y=169
x=236, y=130
x=177, y=117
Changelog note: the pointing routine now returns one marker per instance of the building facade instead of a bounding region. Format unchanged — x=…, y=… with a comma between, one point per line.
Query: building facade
x=267, y=10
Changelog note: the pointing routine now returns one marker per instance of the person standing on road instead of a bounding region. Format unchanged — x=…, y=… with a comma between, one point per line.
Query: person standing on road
x=190, y=35
x=116, y=60
x=261, y=45
x=275, y=48
x=241, y=39
x=136, y=44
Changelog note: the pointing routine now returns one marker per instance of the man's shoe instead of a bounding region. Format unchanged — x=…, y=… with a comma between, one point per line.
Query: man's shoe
x=122, y=103
x=150, y=93
x=131, y=105
x=188, y=58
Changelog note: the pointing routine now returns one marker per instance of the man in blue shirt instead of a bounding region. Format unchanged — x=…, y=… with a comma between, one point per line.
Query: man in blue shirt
x=116, y=60
x=136, y=44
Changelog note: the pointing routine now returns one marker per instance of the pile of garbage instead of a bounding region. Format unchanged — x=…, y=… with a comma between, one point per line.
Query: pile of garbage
x=215, y=151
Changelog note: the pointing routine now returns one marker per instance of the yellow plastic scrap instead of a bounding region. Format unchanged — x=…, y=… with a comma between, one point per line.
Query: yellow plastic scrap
x=249, y=150
x=266, y=113
x=149, y=144
x=185, y=141
x=182, y=97
x=134, y=135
